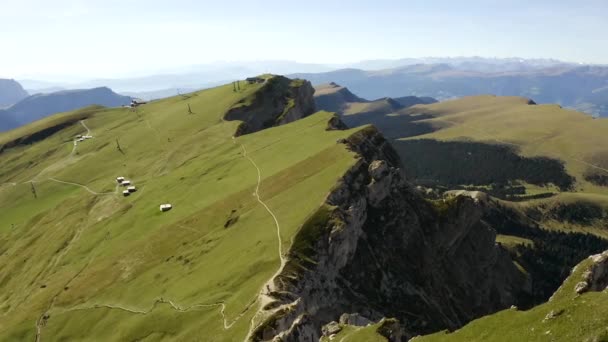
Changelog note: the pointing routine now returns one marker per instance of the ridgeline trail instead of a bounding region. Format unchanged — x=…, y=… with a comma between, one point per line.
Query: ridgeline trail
x=84, y=187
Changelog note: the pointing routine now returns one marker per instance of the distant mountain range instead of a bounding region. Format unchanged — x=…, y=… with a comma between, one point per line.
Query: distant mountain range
x=190, y=77
x=212, y=74
x=10, y=92
x=480, y=64
x=584, y=88
x=159, y=94
x=38, y=106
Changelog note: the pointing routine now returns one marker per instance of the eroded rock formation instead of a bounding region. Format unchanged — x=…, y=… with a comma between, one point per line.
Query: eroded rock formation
x=379, y=249
x=280, y=101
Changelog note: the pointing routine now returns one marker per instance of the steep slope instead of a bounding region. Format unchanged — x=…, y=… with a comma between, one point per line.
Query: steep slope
x=38, y=106
x=301, y=210
x=528, y=130
x=378, y=249
x=546, y=230
x=97, y=259
x=506, y=145
x=279, y=102
x=11, y=92
x=576, y=312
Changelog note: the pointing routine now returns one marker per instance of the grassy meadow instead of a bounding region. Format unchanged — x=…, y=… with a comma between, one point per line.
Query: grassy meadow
x=79, y=254
x=577, y=139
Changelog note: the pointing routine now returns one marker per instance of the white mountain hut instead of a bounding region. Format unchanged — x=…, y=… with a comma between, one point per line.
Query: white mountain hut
x=126, y=193
x=131, y=188
x=125, y=183
x=165, y=207
x=119, y=180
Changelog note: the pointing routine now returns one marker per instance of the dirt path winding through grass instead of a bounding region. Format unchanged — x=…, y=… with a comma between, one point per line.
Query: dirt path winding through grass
x=85, y=127
x=173, y=305
x=276, y=221
x=226, y=323
x=84, y=187
x=269, y=285
x=589, y=164
x=75, y=141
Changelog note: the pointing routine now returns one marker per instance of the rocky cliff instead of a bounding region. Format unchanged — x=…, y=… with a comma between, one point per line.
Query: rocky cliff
x=377, y=248
x=595, y=278
x=280, y=101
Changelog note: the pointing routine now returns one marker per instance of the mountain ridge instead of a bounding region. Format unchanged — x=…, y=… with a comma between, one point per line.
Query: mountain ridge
x=94, y=266
x=11, y=92
x=38, y=106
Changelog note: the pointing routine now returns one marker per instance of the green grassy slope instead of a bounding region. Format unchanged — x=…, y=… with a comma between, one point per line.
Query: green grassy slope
x=567, y=317
x=536, y=130
x=80, y=254
x=576, y=139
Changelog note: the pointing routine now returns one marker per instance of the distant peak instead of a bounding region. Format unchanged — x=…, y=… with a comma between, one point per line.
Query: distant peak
x=395, y=105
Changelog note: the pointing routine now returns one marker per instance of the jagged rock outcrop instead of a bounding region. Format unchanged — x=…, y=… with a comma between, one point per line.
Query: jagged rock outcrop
x=354, y=319
x=379, y=249
x=335, y=124
x=477, y=196
x=595, y=278
x=280, y=101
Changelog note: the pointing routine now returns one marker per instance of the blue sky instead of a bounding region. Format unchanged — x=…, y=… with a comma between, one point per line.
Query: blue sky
x=111, y=38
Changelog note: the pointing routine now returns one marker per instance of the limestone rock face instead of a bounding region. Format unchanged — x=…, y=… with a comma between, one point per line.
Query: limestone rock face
x=387, y=252
x=303, y=102
x=354, y=319
x=331, y=328
x=477, y=196
x=596, y=277
x=280, y=101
